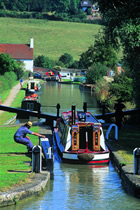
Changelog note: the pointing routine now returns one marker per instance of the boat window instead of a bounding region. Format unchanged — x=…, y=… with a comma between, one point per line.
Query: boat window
x=30, y=106
x=82, y=116
x=32, y=85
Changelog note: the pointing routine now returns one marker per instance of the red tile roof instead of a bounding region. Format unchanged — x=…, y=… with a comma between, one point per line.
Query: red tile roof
x=17, y=51
x=40, y=69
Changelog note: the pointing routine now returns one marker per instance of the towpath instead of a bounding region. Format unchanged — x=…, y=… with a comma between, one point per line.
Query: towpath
x=12, y=95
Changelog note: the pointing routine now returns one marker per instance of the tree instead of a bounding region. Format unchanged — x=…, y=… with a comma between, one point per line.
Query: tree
x=8, y=64
x=66, y=59
x=96, y=72
x=42, y=61
x=122, y=23
x=102, y=51
x=122, y=87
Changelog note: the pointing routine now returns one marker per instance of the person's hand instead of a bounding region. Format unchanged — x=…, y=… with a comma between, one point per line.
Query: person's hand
x=43, y=136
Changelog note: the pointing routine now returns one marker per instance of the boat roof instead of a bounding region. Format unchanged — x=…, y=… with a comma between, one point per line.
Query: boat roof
x=80, y=117
x=35, y=81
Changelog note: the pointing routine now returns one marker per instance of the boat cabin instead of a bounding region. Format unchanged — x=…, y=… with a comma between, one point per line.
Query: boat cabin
x=33, y=85
x=85, y=131
x=30, y=103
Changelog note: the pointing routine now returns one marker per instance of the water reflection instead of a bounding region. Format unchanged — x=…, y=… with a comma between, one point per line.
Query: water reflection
x=83, y=187
x=66, y=95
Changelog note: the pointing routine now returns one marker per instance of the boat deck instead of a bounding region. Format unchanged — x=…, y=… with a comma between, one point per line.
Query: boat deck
x=81, y=117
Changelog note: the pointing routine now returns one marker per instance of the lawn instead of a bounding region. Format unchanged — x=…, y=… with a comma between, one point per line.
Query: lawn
x=13, y=161
x=51, y=38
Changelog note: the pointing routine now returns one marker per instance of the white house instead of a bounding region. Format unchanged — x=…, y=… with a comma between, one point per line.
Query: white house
x=22, y=52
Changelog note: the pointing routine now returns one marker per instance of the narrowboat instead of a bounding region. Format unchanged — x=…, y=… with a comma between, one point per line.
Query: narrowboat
x=79, y=138
x=31, y=103
x=33, y=86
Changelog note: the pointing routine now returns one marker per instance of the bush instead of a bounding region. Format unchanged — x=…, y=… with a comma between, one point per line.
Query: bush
x=10, y=76
x=122, y=87
x=96, y=72
x=6, y=81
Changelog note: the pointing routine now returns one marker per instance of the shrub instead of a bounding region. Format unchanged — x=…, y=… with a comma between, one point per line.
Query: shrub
x=96, y=72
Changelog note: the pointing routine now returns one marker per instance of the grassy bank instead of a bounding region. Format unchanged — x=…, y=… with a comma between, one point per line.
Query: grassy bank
x=128, y=140
x=51, y=38
x=13, y=161
x=5, y=116
x=14, y=164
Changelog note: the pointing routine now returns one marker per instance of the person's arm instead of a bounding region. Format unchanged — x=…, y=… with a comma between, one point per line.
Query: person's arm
x=37, y=134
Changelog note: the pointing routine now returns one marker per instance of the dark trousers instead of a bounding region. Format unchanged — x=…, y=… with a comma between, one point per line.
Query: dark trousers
x=24, y=141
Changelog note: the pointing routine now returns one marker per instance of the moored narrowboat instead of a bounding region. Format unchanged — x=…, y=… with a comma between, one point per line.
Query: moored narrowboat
x=31, y=103
x=80, y=139
x=33, y=86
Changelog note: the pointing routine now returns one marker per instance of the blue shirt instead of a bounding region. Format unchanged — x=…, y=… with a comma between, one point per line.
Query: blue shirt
x=22, y=131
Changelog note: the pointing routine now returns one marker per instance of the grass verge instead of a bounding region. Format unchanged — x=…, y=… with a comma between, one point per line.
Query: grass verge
x=128, y=140
x=14, y=164
x=5, y=116
x=14, y=169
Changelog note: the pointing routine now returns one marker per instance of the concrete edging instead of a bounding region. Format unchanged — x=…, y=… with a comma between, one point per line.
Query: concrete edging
x=37, y=184
x=130, y=181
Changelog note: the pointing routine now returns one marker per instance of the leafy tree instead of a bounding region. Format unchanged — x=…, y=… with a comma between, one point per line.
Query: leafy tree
x=58, y=6
x=96, y=72
x=122, y=23
x=66, y=59
x=75, y=65
x=8, y=64
x=42, y=61
x=122, y=87
x=102, y=51
x=73, y=7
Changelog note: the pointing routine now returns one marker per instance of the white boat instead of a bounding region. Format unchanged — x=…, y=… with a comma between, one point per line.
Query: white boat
x=80, y=139
x=33, y=86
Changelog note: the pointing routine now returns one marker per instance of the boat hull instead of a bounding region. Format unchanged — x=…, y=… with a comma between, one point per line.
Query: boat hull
x=97, y=159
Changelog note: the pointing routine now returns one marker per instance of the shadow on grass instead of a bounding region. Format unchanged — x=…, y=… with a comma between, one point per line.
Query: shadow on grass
x=14, y=171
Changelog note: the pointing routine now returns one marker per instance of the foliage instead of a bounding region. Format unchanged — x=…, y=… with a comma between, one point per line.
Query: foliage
x=122, y=87
x=40, y=5
x=122, y=22
x=7, y=81
x=42, y=61
x=8, y=64
x=74, y=65
x=102, y=51
x=66, y=59
x=96, y=72
x=102, y=90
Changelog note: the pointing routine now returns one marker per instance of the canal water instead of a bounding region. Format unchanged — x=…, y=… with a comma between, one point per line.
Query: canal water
x=77, y=187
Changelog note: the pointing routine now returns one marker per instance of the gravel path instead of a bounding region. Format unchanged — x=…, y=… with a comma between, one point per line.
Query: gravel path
x=14, y=91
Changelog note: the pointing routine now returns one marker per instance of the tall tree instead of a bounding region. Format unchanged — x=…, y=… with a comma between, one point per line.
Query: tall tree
x=122, y=20
x=102, y=51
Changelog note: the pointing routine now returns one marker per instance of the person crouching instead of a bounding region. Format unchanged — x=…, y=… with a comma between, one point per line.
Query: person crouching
x=22, y=138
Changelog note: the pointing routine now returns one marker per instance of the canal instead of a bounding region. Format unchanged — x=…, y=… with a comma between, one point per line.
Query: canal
x=77, y=187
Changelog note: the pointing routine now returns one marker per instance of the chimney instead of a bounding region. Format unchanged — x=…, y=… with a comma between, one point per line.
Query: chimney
x=31, y=43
